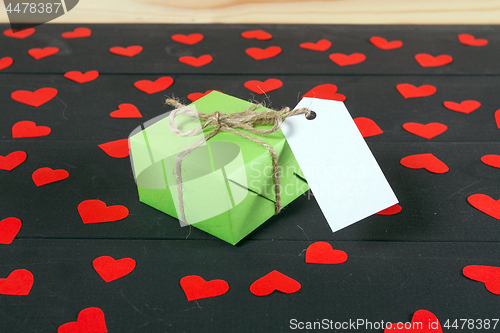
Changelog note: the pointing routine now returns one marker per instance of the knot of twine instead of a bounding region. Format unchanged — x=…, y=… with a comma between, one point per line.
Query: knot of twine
x=222, y=122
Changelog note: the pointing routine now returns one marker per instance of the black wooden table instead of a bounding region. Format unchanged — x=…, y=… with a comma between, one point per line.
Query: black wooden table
x=397, y=264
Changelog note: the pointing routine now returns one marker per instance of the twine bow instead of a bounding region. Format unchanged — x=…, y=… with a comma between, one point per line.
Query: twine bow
x=222, y=122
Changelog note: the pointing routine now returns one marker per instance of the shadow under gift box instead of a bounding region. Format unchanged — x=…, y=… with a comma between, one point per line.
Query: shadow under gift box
x=227, y=184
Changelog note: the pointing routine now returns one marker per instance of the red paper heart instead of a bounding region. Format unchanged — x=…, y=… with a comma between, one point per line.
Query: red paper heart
x=44, y=176
x=129, y=51
x=491, y=160
x=39, y=53
x=274, y=281
x=470, y=40
x=393, y=210
x=260, y=87
x=196, y=62
x=28, y=129
x=90, y=320
x=464, y=106
x=77, y=33
x=190, y=39
x=428, y=162
x=256, y=34
x=426, y=131
x=423, y=321
x=325, y=91
x=110, y=269
x=9, y=228
x=383, y=44
x=323, y=253
x=485, y=204
x=82, y=77
x=195, y=287
x=20, y=34
x=151, y=87
x=6, y=62
x=260, y=54
x=320, y=45
x=36, y=98
x=410, y=91
x=197, y=95
x=12, y=160
x=489, y=275
x=367, y=127
x=347, y=59
x=18, y=283
x=497, y=117
x=126, y=110
x=96, y=211
x=427, y=60
x=116, y=149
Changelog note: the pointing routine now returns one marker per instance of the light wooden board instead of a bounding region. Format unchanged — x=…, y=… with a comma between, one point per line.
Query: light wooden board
x=284, y=11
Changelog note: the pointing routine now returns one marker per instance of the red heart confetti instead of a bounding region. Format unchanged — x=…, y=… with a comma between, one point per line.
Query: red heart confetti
x=491, y=160
x=323, y=253
x=44, y=176
x=6, y=62
x=116, y=149
x=497, y=117
x=423, y=321
x=485, y=204
x=428, y=131
x=190, y=39
x=489, y=275
x=410, y=91
x=256, y=34
x=427, y=60
x=36, y=98
x=82, y=77
x=96, y=211
x=260, y=87
x=19, y=34
x=197, y=95
x=367, y=127
x=39, y=53
x=464, y=106
x=77, y=33
x=12, y=160
x=274, y=281
x=126, y=110
x=129, y=51
x=90, y=320
x=110, y=269
x=9, y=228
x=18, y=283
x=195, y=287
x=347, y=60
x=470, y=40
x=196, y=62
x=260, y=54
x=320, y=45
x=151, y=87
x=428, y=162
x=325, y=91
x=383, y=44
x=28, y=129
x=393, y=210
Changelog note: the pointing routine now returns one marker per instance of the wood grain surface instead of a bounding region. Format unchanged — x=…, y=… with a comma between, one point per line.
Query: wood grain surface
x=284, y=11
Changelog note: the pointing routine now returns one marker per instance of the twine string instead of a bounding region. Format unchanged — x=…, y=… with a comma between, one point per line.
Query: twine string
x=222, y=122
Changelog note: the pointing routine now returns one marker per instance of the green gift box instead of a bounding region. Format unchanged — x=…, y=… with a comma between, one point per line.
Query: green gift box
x=228, y=188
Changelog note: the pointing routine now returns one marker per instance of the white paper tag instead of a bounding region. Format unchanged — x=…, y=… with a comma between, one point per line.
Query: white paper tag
x=339, y=167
